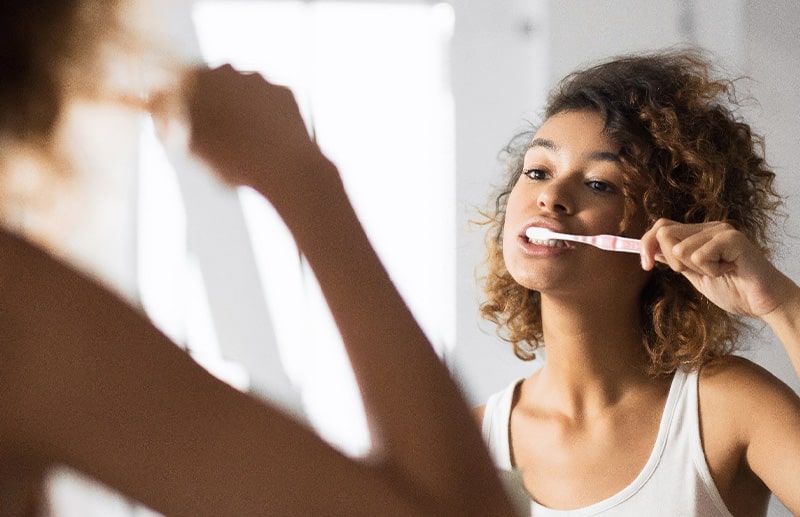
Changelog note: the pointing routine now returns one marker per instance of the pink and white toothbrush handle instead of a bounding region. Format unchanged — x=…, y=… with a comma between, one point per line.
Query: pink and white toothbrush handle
x=614, y=243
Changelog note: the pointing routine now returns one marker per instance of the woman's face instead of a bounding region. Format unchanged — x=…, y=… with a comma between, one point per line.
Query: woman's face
x=572, y=183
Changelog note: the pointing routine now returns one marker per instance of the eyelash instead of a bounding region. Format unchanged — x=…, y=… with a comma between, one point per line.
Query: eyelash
x=593, y=184
x=606, y=187
x=529, y=172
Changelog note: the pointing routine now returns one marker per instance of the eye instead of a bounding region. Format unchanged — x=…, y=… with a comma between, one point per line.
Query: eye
x=601, y=186
x=535, y=174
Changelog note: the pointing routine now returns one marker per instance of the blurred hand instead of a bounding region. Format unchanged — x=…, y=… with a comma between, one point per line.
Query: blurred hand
x=251, y=133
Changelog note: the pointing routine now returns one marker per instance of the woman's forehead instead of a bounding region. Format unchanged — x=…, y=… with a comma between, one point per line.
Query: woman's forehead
x=574, y=129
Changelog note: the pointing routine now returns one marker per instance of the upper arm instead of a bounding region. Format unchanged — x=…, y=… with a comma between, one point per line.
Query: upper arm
x=764, y=424
x=773, y=448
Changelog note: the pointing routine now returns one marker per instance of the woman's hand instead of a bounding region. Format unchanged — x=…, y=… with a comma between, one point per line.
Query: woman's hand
x=721, y=263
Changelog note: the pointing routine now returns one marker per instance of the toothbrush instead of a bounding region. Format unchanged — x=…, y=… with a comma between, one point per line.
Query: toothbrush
x=605, y=242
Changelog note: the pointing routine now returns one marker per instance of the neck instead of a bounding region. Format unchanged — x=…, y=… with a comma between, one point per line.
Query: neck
x=594, y=351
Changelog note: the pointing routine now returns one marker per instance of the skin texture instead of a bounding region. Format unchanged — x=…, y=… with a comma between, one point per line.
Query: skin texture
x=583, y=426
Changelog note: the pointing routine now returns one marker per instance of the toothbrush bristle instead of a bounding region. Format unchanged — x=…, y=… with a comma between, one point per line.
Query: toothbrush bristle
x=537, y=233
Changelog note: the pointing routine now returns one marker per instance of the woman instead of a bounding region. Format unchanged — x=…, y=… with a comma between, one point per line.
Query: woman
x=88, y=382
x=640, y=408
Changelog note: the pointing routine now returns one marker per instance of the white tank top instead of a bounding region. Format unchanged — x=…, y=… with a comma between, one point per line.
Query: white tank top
x=675, y=481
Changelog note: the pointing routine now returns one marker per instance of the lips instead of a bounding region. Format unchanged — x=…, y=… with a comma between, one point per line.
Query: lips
x=545, y=247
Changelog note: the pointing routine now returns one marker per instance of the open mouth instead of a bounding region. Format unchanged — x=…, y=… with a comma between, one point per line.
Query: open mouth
x=548, y=243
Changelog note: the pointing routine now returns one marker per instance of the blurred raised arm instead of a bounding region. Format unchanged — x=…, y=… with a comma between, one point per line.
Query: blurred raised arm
x=250, y=132
x=89, y=382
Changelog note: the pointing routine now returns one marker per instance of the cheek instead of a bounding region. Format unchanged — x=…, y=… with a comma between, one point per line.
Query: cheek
x=513, y=220
x=515, y=206
x=609, y=218
x=509, y=240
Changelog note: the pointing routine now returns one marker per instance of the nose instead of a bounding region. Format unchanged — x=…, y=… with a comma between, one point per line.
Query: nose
x=555, y=197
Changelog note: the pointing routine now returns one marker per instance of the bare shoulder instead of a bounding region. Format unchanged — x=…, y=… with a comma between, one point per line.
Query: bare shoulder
x=479, y=412
x=748, y=421
x=21, y=257
x=736, y=394
x=738, y=380
x=12, y=246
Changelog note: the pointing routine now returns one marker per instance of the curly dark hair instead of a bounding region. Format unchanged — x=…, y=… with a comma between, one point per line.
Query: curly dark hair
x=688, y=156
x=51, y=52
x=45, y=44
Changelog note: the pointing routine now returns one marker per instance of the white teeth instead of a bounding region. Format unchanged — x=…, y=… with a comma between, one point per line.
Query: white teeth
x=550, y=243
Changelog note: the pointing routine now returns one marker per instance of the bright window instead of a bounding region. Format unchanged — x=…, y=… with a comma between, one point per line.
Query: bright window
x=372, y=80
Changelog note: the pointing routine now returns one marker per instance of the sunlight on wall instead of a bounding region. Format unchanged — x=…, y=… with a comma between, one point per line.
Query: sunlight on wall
x=171, y=286
x=372, y=80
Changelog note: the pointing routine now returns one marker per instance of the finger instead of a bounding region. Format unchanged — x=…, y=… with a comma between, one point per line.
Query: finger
x=650, y=246
x=709, y=249
x=204, y=94
x=666, y=238
x=672, y=243
x=704, y=253
x=169, y=110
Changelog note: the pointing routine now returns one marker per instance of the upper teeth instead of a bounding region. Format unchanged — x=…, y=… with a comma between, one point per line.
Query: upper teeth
x=552, y=243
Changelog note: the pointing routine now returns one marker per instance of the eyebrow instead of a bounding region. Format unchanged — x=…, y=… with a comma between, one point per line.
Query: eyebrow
x=543, y=142
x=596, y=156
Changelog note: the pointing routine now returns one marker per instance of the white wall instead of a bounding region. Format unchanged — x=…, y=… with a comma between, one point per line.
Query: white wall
x=771, y=54
x=500, y=70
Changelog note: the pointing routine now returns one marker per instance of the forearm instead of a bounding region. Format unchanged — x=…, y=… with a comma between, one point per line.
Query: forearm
x=419, y=418
x=785, y=323
x=250, y=133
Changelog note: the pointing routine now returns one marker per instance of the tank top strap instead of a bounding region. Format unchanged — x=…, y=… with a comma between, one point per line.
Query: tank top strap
x=496, y=425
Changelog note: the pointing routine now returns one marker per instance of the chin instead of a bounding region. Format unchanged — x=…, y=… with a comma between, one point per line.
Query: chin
x=539, y=281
